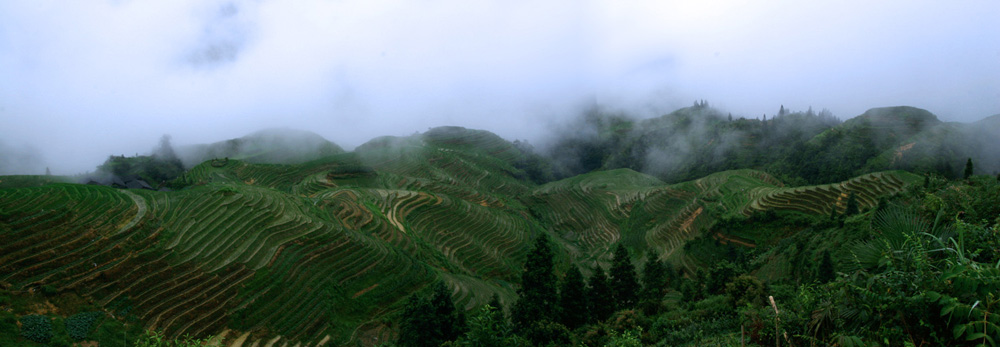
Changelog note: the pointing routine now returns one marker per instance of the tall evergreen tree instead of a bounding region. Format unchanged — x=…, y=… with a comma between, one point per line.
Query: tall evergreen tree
x=599, y=296
x=573, y=311
x=624, y=284
x=446, y=323
x=654, y=278
x=654, y=282
x=968, y=169
x=852, y=205
x=825, y=271
x=415, y=324
x=537, y=297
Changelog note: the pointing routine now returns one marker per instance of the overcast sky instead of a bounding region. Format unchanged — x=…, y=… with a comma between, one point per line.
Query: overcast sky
x=80, y=80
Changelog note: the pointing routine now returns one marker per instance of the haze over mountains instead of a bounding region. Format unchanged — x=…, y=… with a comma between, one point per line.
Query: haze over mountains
x=78, y=87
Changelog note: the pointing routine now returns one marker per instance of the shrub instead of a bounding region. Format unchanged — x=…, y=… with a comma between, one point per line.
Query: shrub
x=36, y=328
x=79, y=325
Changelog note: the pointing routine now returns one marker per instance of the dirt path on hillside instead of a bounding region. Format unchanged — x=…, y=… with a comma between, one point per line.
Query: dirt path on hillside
x=140, y=203
x=690, y=220
x=726, y=239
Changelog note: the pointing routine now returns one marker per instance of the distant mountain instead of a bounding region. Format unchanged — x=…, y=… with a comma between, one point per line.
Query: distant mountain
x=799, y=147
x=270, y=146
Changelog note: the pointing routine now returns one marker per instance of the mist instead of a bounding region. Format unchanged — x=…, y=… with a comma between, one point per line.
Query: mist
x=85, y=80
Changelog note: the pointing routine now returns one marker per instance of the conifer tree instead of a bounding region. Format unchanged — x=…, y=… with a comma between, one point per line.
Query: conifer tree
x=414, y=327
x=654, y=281
x=446, y=323
x=654, y=278
x=852, y=205
x=968, y=169
x=599, y=296
x=825, y=272
x=537, y=297
x=624, y=285
x=573, y=311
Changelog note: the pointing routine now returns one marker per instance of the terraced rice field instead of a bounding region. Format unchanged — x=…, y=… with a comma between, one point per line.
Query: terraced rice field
x=325, y=251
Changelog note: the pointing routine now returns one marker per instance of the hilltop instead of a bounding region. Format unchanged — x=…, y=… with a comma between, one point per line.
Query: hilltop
x=799, y=147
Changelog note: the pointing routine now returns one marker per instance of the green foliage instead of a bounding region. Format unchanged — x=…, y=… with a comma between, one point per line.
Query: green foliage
x=722, y=273
x=154, y=338
x=8, y=328
x=573, y=311
x=852, y=206
x=446, y=322
x=624, y=284
x=430, y=322
x=600, y=296
x=746, y=290
x=36, y=328
x=654, y=284
x=825, y=272
x=968, y=169
x=537, y=297
x=79, y=325
x=630, y=338
x=548, y=333
x=488, y=328
x=414, y=323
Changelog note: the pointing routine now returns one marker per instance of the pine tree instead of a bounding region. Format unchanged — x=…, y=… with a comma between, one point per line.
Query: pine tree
x=781, y=112
x=599, y=296
x=833, y=212
x=414, y=327
x=537, y=297
x=624, y=284
x=968, y=169
x=825, y=272
x=573, y=300
x=852, y=205
x=654, y=281
x=446, y=322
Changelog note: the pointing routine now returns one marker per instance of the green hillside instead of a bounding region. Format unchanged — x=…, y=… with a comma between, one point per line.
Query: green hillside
x=327, y=251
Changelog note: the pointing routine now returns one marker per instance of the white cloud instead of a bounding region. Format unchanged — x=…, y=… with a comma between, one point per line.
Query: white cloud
x=116, y=75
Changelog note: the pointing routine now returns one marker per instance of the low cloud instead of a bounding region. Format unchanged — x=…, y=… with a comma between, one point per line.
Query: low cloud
x=83, y=80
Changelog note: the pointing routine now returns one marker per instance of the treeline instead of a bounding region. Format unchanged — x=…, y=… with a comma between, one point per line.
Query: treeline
x=797, y=147
x=156, y=169
x=548, y=310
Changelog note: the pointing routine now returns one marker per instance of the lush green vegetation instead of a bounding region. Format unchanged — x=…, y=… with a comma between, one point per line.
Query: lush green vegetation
x=467, y=230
